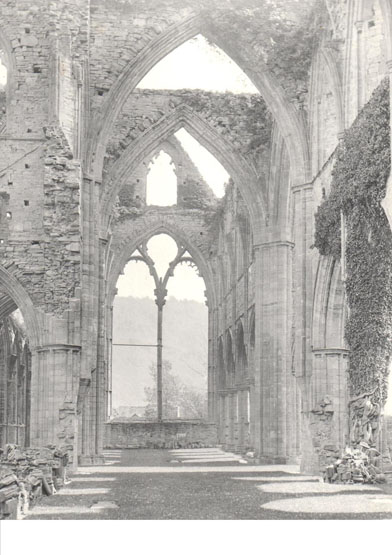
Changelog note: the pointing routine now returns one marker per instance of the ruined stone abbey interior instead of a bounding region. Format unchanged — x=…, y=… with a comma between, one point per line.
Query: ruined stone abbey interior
x=77, y=138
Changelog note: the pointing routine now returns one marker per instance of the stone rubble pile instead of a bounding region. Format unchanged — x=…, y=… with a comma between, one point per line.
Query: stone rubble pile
x=9, y=493
x=27, y=474
x=359, y=464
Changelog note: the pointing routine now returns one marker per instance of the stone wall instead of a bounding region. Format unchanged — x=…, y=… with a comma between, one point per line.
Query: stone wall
x=192, y=189
x=122, y=30
x=155, y=435
x=72, y=71
x=40, y=177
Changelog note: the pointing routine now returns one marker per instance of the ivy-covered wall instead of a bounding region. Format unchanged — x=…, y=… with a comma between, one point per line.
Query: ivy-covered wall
x=358, y=185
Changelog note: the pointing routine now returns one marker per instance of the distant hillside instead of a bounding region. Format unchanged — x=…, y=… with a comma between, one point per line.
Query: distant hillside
x=185, y=339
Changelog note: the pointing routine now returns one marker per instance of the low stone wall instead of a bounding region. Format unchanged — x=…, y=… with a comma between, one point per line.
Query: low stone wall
x=160, y=435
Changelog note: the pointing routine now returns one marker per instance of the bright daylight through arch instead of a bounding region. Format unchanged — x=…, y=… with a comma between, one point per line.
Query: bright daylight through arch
x=161, y=186
x=198, y=64
x=184, y=337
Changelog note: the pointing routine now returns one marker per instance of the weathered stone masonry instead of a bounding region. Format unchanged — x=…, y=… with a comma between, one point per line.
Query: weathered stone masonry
x=75, y=143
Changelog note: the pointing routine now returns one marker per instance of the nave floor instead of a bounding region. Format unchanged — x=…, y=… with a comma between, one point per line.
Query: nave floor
x=198, y=484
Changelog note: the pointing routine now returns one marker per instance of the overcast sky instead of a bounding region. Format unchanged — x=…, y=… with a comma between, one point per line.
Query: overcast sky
x=198, y=65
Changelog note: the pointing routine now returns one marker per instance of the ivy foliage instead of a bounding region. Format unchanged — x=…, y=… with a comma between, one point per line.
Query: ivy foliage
x=282, y=34
x=358, y=185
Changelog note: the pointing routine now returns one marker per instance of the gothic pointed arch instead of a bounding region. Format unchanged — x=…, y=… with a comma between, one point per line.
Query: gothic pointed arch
x=6, y=47
x=329, y=57
x=13, y=296
x=9, y=61
x=289, y=121
x=326, y=107
x=241, y=171
x=279, y=179
x=147, y=229
x=329, y=306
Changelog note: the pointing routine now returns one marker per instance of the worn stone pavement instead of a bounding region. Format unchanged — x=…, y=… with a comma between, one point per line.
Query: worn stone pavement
x=205, y=484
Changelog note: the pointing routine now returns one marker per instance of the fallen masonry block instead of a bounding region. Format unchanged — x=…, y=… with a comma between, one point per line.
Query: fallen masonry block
x=360, y=464
x=27, y=474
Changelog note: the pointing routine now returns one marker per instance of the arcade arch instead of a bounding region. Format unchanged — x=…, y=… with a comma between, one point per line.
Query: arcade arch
x=15, y=381
x=20, y=335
